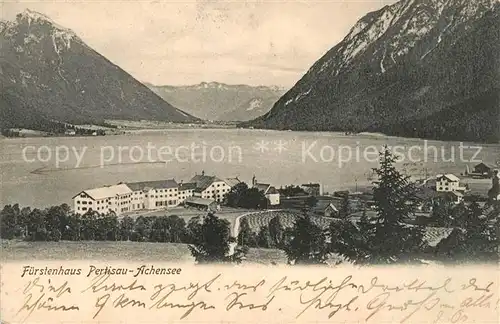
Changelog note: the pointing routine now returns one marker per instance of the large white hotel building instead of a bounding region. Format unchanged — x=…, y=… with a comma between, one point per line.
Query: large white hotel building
x=150, y=195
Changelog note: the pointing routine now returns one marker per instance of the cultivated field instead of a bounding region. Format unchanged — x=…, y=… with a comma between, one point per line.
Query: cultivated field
x=287, y=218
x=432, y=235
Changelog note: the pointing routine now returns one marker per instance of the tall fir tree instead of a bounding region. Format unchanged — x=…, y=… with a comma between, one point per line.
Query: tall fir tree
x=307, y=244
x=384, y=238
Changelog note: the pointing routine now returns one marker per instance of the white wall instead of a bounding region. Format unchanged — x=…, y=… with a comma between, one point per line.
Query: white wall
x=274, y=199
x=216, y=191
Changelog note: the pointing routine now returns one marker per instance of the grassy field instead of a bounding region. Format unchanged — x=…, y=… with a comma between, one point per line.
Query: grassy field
x=113, y=251
x=477, y=186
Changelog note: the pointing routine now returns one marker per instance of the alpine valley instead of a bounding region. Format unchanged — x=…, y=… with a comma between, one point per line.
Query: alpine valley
x=49, y=75
x=416, y=68
x=219, y=101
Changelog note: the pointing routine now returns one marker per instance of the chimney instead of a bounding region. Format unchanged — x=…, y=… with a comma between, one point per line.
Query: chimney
x=254, y=181
x=202, y=172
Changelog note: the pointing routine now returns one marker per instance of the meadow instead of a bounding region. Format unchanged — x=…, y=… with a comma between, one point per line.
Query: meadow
x=16, y=251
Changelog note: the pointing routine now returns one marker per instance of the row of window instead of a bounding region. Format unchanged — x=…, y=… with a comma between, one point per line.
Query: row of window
x=166, y=203
x=216, y=191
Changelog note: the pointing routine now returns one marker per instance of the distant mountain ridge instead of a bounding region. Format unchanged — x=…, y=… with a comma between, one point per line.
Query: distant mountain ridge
x=417, y=68
x=49, y=74
x=220, y=101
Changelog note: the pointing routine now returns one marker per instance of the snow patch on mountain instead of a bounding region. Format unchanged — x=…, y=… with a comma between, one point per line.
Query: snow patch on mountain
x=254, y=104
x=32, y=16
x=300, y=96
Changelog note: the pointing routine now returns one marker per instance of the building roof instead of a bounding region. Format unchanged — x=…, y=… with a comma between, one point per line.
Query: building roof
x=315, y=185
x=272, y=191
x=264, y=187
x=203, y=182
x=232, y=181
x=487, y=165
x=187, y=186
x=158, y=184
x=332, y=206
x=323, y=204
x=434, y=235
x=199, y=201
x=107, y=191
x=448, y=176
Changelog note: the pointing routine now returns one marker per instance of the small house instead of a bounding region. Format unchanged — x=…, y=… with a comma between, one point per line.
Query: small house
x=312, y=189
x=455, y=197
x=484, y=169
x=272, y=195
x=202, y=203
x=331, y=211
x=448, y=183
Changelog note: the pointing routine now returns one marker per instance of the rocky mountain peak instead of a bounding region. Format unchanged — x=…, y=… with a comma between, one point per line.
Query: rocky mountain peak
x=405, y=61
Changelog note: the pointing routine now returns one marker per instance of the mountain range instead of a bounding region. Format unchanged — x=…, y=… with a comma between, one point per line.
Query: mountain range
x=49, y=74
x=219, y=101
x=416, y=68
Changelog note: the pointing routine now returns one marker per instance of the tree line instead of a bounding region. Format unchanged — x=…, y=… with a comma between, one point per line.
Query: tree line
x=60, y=223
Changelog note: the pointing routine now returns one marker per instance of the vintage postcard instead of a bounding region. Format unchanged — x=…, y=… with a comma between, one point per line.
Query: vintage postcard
x=273, y=161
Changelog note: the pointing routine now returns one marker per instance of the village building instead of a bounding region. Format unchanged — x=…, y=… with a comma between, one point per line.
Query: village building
x=154, y=194
x=202, y=204
x=484, y=170
x=448, y=183
x=312, y=189
x=210, y=187
x=232, y=182
x=330, y=211
x=327, y=207
x=455, y=197
x=115, y=198
x=186, y=190
x=272, y=195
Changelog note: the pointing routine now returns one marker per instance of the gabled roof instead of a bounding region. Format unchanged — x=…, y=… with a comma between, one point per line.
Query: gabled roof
x=203, y=181
x=323, y=204
x=314, y=185
x=264, y=187
x=158, y=184
x=448, y=176
x=488, y=165
x=107, y=192
x=232, y=181
x=434, y=235
x=199, y=201
x=332, y=206
x=272, y=191
x=187, y=186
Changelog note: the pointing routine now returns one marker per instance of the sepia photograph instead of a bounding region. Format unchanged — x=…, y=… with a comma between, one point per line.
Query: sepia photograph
x=185, y=136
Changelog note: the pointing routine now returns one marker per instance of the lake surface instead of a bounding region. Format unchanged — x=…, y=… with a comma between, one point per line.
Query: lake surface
x=31, y=174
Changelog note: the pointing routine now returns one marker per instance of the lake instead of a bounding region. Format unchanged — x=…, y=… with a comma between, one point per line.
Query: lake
x=46, y=171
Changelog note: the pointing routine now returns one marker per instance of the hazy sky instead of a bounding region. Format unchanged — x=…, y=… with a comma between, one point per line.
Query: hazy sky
x=186, y=42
